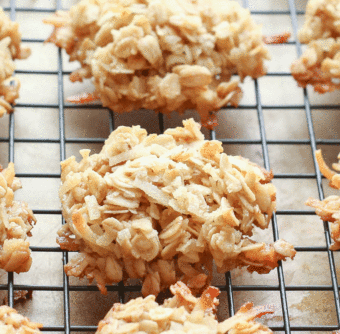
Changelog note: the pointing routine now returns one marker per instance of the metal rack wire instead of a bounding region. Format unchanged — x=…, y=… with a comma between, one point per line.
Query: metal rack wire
x=265, y=143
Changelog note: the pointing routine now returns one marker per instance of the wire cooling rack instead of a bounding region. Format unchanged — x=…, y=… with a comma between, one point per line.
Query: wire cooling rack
x=258, y=145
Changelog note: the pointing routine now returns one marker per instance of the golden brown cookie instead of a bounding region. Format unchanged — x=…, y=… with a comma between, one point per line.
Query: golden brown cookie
x=162, y=207
x=181, y=314
x=319, y=65
x=16, y=222
x=11, y=322
x=10, y=49
x=161, y=55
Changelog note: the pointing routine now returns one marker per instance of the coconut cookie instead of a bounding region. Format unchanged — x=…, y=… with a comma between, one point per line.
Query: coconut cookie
x=161, y=55
x=162, y=208
x=10, y=49
x=16, y=222
x=181, y=314
x=11, y=322
x=319, y=65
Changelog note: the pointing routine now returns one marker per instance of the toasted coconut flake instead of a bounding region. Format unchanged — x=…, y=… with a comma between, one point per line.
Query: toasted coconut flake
x=244, y=317
x=324, y=169
x=329, y=208
x=277, y=39
x=92, y=207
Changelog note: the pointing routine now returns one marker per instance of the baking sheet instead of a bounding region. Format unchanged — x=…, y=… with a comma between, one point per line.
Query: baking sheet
x=305, y=308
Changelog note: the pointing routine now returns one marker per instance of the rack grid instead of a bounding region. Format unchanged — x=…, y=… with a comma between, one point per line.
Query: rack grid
x=230, y=288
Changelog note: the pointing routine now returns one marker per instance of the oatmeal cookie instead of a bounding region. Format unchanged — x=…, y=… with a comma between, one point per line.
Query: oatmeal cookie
x=319, y=65
x=162, y=55
x=16, y=222
x=10, y=49
x=181, y=314
x=11, y=322
x=162, y=207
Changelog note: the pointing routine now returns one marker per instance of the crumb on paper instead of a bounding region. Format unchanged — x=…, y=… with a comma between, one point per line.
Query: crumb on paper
x=19, y=296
